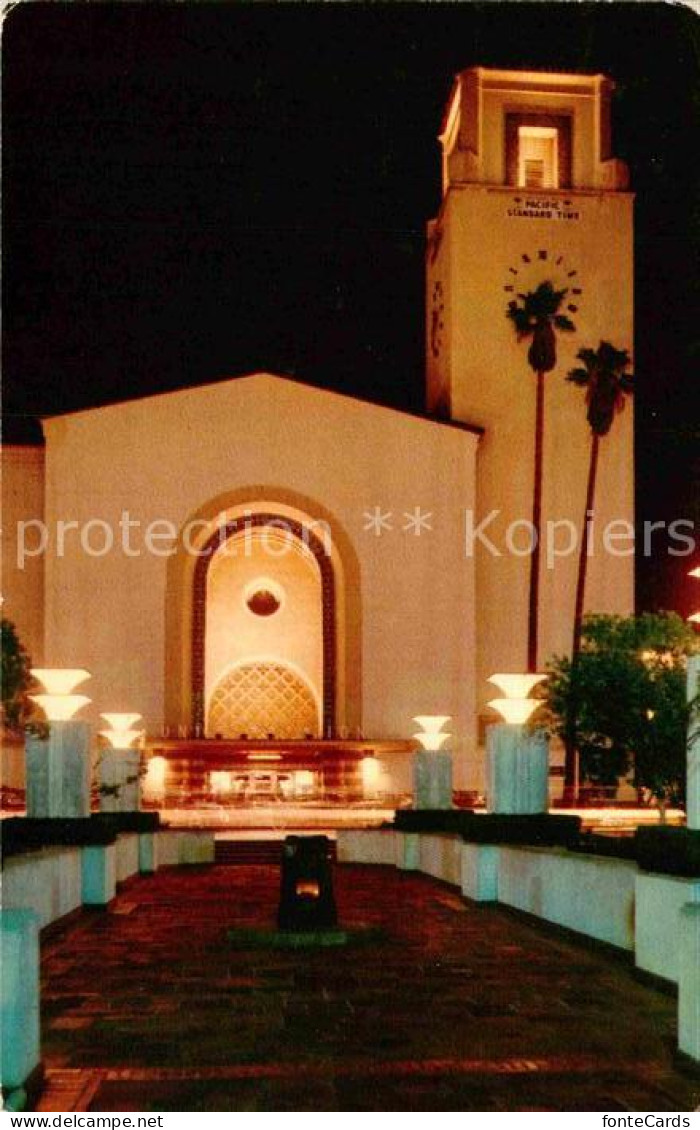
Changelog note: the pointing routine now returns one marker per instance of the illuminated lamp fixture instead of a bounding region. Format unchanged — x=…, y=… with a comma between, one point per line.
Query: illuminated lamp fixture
x=60, y=680
x=431, y=736
x=156, y=771
x=432, y=765
x=58, y=703
x=121, y=735
x=264, y=757
x=221, y=782
x=370, y=772
x=516, y=707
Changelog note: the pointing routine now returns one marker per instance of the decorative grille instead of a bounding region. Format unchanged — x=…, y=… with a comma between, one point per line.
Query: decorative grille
x=258, y=699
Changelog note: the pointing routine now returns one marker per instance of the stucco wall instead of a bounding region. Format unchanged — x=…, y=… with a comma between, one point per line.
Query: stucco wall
x=166, y=457
x=22, y=585
x=491, y=384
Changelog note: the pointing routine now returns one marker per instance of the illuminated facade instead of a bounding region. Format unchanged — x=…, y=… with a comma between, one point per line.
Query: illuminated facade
x=257, y=560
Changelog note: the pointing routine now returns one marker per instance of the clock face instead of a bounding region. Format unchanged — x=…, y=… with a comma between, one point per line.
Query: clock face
x=543, y=265
x=437, y=322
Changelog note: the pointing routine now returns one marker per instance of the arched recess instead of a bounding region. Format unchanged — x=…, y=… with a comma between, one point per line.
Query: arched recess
x=343, y=693
x=230, y=529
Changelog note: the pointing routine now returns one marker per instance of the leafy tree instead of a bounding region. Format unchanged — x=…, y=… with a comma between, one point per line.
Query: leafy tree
x=18, y=710
x=536, y=316
x=624, y=699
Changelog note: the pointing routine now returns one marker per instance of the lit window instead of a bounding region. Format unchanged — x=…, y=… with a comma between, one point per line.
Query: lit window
x=538, y=157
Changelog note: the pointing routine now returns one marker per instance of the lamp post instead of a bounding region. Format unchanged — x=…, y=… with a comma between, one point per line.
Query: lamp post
x=432, y=765
x=58, y=766
x=517, y=760
x=119, y=764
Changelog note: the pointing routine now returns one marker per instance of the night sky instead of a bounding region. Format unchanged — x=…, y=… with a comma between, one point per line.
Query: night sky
x=196, y=191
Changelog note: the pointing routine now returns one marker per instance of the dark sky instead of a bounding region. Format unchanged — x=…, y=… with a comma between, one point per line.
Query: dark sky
x=193, y=191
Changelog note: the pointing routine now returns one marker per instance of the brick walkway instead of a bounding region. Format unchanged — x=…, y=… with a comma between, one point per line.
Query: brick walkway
x=458, y=1007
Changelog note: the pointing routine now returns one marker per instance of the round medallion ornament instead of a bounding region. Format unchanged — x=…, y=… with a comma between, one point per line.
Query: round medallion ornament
x=263, y=597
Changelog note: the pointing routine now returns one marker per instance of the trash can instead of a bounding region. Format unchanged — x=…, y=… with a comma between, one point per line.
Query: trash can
x=306, y=901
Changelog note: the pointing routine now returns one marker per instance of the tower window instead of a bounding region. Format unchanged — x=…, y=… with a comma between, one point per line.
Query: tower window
x=538, y=151
x=537, y=157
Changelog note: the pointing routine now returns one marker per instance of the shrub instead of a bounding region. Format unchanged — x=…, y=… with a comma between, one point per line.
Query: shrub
x=624, y=701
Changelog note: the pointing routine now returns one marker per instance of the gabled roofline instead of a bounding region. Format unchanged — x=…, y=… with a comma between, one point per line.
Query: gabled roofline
x=474, y=429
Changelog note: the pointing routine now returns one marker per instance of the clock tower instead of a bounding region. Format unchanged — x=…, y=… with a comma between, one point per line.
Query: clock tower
x=532, y=195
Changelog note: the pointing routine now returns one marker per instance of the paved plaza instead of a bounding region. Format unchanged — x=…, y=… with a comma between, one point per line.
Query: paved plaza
x=454, y=1007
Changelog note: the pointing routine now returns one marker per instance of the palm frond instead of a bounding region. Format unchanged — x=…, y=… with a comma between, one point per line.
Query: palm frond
x=520, y=318
x=606, y=383
x=579, y=376
x=589, y=358
x=612, y=359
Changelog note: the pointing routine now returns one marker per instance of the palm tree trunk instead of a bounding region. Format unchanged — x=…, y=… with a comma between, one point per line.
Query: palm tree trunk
x=534, y=597
x=583, y=551
x=570, y=745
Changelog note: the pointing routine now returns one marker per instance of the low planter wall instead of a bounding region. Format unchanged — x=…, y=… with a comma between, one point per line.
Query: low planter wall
x=186, y=847
x=372, y=846
x=54, y=881
x=592, y=895
x=689, y=981
x=48, y=882
x=440, y=855
x=658, y=902
x=127, y=856
x=588, y=894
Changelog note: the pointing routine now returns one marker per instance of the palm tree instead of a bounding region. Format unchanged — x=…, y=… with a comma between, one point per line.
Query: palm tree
x=607, y=383
x=536, y=315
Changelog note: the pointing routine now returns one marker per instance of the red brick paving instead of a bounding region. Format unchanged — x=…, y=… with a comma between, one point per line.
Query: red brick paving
x=457, y=1007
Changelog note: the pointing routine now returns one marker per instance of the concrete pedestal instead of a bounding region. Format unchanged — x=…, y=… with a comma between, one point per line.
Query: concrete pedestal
x=689, y=981
x=58, y=771
x=99, y=873
x=118, y=769
x=658, y=900
x=19, y=1014
x=479, y=878
x=149, y=856
x=517, y=770
x=408, y=852
x=432, y=779
x=693, y=787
